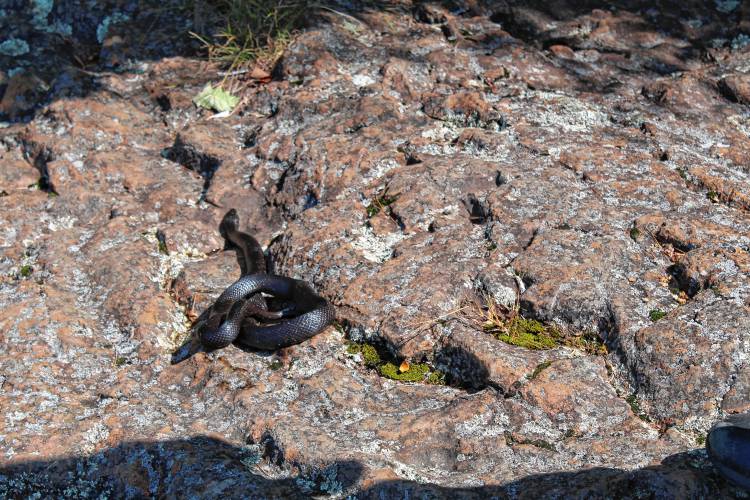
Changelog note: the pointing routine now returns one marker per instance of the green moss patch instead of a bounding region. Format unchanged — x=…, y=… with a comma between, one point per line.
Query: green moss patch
x=379, y=203
x=632, y=400
x=26, y=271
x=511, y=440
x=539, y=369
x=656, y=314
x=532, y=334
x=275, y=364
x=436, y=378
x=417, y=372
x=369, y=354
x=588, y=342
x=522, y=332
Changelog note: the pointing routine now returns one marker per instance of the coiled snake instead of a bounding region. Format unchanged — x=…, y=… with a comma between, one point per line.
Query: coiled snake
x=241, y=313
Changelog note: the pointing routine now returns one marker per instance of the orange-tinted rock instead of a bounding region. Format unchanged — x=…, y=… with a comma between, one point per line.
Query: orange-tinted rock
x=580, y=163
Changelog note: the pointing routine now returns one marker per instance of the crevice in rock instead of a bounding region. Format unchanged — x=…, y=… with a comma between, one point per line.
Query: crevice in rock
x=681, y=281
x=666, y=239
x=479, y=212
x=463, y=370
x=715, y=192
x=189, y=157
x=250, y=139
x=511, y=21
x=271, y=450
x=428, y=14
x=451, y=366
x=311, y=200
x=412, y=159
x=500, y=178
x=511, y=440
x=531, y=240
x=629, y=378
x=39, y=156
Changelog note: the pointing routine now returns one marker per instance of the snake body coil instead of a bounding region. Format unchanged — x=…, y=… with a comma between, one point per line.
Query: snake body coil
x=240, y=314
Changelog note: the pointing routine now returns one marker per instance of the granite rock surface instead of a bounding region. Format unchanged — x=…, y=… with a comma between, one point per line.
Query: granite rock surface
x=588, y=164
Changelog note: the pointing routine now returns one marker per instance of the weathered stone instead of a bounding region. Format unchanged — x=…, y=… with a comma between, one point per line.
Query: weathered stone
x=588, y=165
x=736, y=88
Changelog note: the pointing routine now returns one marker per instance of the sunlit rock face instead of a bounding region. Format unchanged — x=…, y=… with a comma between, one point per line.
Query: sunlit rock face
x=586, y=168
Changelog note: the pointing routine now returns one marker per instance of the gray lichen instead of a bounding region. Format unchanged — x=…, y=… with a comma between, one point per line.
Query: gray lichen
x=14, y=47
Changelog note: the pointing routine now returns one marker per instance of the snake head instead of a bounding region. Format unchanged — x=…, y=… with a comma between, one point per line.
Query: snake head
x=230, y=222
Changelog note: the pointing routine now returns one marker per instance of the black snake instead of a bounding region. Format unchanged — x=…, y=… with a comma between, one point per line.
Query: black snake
x=241, y=314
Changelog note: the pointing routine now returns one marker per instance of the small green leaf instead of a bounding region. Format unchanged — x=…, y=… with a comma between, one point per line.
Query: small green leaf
x=215, y=98
x=656, y=315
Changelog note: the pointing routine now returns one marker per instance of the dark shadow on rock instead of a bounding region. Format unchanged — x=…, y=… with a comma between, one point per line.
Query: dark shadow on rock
x=205, y=467
x=463, y=369
x=683, y=475
x=198, y=467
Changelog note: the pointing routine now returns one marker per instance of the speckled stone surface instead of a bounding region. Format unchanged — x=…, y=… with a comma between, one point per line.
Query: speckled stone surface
x=587, y=163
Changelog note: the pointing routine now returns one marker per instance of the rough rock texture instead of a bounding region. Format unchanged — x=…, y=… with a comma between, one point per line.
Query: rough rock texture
x=588, y=164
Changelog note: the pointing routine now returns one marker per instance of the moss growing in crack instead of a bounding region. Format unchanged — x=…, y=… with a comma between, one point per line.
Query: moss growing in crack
x=700, y=440
x=379, y=203
x=416, y=372
x=369, y=354
x=541, y=443
x=634, y=233
x=436, y=378
x=161, y=238
x=713, y=196
x=505, y=325
x=353, y=348
x=275, y=364
x=528, y=333
x=656, y=314
x=588, y=342
x=120, y=361
x=510, y=440
x=539, y=369
x=636, y=408
x=26, y=271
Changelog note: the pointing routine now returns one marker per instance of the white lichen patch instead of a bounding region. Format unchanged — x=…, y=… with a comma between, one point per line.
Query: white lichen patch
x=380, y=168
x=445, y=132
x=375, y=248
x=565, y=114
x=362, y=80
x=488, y=424
x=170, y=265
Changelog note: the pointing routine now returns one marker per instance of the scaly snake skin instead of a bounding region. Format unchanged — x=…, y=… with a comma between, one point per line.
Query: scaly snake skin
x=235, y=315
